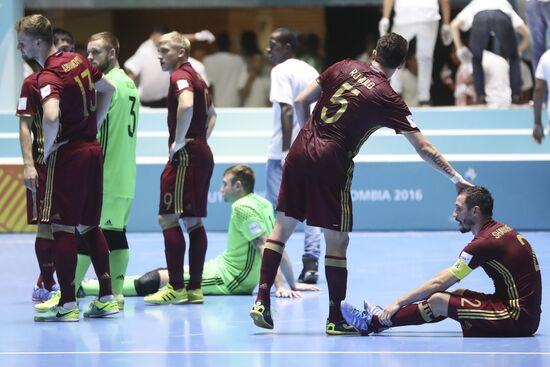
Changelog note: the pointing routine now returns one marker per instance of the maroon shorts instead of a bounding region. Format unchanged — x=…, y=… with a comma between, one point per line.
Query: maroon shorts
x=74, y=185
x=482, y=314
x=35, y=199
x=184, y=189
x=317, y=193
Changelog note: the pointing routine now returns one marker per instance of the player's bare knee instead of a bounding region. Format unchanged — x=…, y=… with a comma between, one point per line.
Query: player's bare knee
x=192, y=223
x=459, y=291
x=439, y=303
x=168, y=221
x=62, y=228
x=337, y=242
x=44, y=230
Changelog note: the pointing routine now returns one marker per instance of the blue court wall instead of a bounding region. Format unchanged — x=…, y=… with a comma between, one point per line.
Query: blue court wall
x=392, y=188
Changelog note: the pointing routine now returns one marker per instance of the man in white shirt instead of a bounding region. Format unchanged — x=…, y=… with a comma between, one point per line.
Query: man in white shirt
x=538, y=20
x=542, y=76
x=420, y=19
x=289, y=77
x=227, y=73
x=484, y=18
x=144, y=69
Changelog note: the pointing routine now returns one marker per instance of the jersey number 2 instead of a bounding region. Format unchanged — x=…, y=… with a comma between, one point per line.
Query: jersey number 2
x=338, y=98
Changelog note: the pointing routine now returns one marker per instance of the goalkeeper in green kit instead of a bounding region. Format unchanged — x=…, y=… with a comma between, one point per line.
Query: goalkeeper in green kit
x=237, y=269
x=117, y=138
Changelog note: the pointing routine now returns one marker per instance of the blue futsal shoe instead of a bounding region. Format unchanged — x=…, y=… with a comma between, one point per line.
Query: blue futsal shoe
x=360, y=320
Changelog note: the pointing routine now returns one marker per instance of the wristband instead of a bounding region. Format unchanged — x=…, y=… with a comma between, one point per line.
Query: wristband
x=456, y=177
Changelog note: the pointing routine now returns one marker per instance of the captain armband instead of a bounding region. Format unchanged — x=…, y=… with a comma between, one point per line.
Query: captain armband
x=460, y=269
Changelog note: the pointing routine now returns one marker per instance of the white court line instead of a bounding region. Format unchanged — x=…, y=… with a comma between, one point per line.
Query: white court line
x=251, y=352
x=361, y=158
x=381, y=132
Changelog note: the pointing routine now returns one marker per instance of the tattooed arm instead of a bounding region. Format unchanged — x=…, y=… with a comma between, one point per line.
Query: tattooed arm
x=429, y=153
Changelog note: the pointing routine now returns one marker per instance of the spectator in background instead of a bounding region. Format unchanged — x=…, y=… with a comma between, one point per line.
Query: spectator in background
x=420, y=19
x=542, y=75
x=144, y=69
x=483, y=18
x=310, y=44
x=497, y=82
x=538, y=19
x=255, y=90
x=227, y=73
x=370, y=44
x=409, y=80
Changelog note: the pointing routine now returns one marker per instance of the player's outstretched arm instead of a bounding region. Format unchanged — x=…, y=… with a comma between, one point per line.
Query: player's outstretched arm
x=304, y=100
x=429, y=153
x=539, y=94
x=105, y=90
x=439, y=283
x=211, y=120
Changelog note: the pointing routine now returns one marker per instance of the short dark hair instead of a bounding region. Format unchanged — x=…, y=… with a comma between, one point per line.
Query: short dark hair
x=287, y=37
x=223, y=42
x=111, y=41
x=391, y=50
x=162, y=29
x=60, y=34
x=243, y=173
x=481, y=197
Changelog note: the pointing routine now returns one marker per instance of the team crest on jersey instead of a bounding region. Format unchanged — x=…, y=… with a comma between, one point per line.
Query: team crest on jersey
x=22, y=105
x=45, y=91
x=254, y=228
x=465, y=257
x=182, y=84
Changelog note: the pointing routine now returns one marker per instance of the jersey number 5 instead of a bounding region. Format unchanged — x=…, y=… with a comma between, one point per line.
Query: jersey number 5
x=338, y=98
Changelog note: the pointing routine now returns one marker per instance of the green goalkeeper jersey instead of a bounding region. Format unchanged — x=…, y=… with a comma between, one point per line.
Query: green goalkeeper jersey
x=118, y=136
x=240, y=263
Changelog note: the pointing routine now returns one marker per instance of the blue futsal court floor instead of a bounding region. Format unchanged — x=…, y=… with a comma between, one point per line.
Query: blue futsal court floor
x=382, y=265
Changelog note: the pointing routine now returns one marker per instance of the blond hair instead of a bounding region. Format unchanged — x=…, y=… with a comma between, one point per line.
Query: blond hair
x=176, y=40
x=37, y=26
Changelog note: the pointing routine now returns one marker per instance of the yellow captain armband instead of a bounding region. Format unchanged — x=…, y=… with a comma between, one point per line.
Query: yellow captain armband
x=460, y=269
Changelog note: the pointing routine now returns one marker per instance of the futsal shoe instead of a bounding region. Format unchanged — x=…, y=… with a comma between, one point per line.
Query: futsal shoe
x=374, y=310
x=340, y=328
x=41, y=294
x=310, y=271
x=120, y=301
x=261, y=315
x=360, y=320
x=195, y=296
x=58, y=314
x=52, y=302
x=167, y=295
x=98, y=308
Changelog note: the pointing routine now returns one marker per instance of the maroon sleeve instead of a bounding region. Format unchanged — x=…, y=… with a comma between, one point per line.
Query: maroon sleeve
x=330, y=73
x=476, y=249
x=182, y=80
x=28, y=98
x=49, y=85
x=397, y=115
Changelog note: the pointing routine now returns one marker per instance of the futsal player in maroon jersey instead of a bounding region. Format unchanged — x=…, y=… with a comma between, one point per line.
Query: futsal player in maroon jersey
x=505, y=256
x=186, y=176
x=75, y=97
x=354, y=99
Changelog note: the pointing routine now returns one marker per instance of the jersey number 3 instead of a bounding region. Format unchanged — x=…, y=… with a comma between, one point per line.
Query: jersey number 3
x=339, y=99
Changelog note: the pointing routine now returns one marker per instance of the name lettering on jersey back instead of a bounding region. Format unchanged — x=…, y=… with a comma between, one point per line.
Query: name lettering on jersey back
x=501, y=231
x=72, y=64
x=361, y=79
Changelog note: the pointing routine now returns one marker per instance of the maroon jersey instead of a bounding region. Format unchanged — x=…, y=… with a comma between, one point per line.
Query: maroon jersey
x=29, y=106
x=197, y=152
x=508, y=259
x=70, y=78
x=356, y=100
